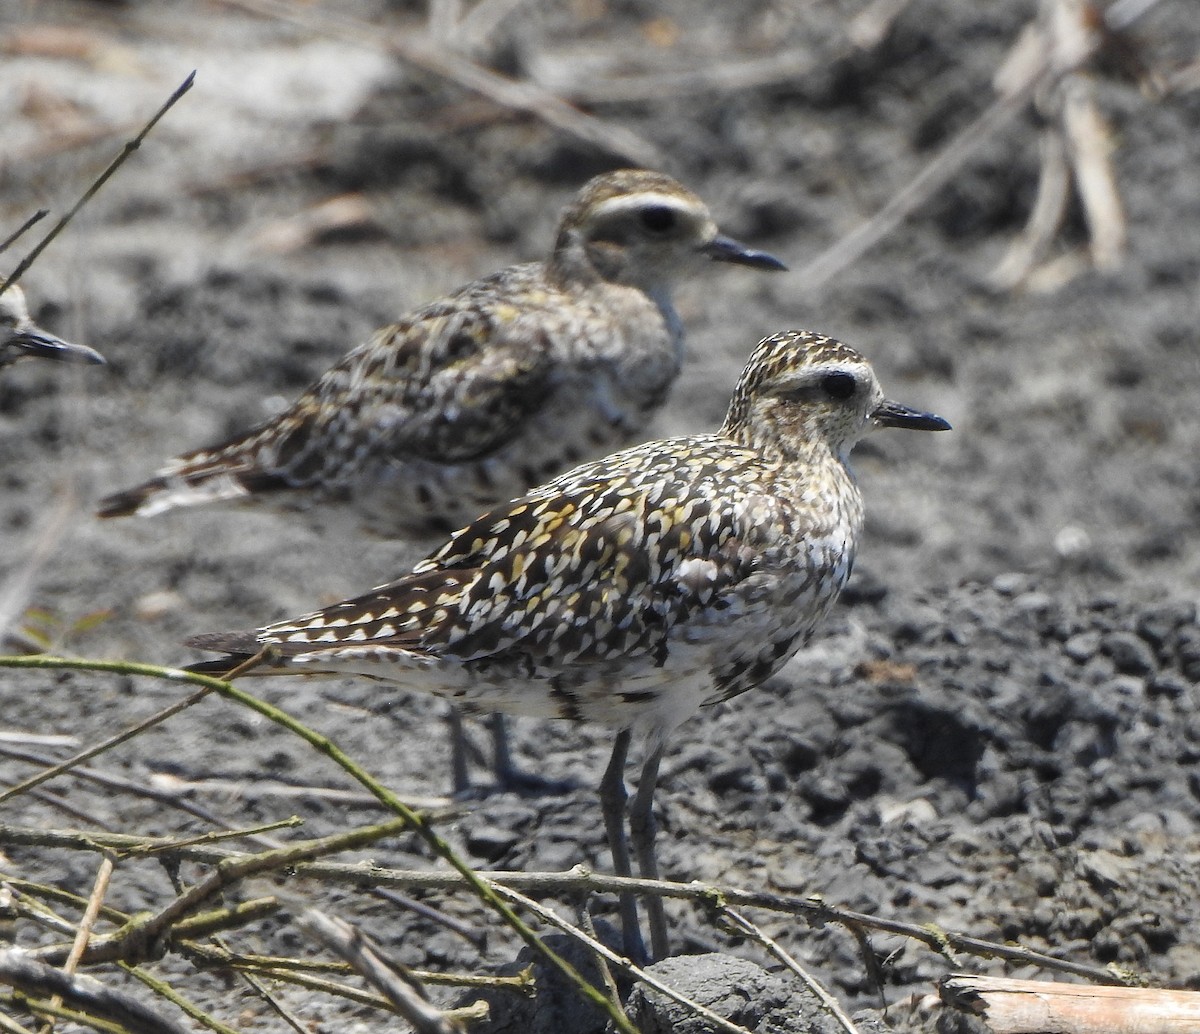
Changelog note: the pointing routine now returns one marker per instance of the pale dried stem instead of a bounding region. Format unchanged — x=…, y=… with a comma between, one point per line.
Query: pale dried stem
x=747, y=929
x=550, y=916
x=17, y=589
x=1089, y=143
x=1045, y=54
x=726, y=77
x=83, y=993
x=580, y=880
x=393, y=981
x=1033, y=243
x=1032, y=1006
x=88, y=921
x=86, y=924
x=428, y=55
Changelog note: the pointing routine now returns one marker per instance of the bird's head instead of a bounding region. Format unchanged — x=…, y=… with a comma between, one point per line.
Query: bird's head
x=644, y=229
x=801, y=389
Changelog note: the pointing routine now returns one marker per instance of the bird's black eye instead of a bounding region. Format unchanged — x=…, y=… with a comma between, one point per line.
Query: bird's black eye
x=658, y=218
x=838, y=385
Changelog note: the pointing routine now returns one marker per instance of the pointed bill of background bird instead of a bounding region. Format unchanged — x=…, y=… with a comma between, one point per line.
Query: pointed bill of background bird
x=21, y=338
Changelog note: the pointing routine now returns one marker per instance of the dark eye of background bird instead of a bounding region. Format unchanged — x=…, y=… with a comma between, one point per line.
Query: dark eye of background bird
x=659, y=219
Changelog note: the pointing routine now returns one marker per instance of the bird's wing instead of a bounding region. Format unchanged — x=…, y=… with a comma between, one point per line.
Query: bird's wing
x=451, y=383
x=589, y=567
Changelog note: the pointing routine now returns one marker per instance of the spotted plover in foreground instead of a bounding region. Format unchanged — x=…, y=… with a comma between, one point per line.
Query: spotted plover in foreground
x=632, y=590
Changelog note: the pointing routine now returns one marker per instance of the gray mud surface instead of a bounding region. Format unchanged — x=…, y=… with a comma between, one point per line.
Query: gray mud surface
x=996, y=733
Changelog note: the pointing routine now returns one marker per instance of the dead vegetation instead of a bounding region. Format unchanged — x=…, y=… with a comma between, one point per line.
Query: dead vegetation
x=284, y=915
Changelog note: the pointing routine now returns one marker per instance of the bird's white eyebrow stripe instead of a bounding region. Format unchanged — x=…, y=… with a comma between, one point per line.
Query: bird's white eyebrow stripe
x=642, y=199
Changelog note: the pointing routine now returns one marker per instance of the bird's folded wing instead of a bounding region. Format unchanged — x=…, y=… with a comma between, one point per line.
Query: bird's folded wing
x=537, y=580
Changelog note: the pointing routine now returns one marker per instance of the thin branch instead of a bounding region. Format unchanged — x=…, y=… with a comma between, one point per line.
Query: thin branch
x=427, y=55
x=144, y=931
x=273, y=1002
x=416, y=821
x=175, y=798
x=37, y=217
x=550, y=916
x=394, y=982
x=724, y=78
x=583, y=881
x=116, y=163
x=83, y=992
x=166, y=991
x=279, y=965
x=745, y=928
x=101, y=747
x=936, y=172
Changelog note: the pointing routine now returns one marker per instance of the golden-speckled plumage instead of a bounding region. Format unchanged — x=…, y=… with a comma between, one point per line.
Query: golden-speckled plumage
x=476, y=398
x=634, y=589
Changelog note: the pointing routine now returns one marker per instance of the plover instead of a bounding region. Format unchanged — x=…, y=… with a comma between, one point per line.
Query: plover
x=632, y=590
x=478, y=397
x=21, y=338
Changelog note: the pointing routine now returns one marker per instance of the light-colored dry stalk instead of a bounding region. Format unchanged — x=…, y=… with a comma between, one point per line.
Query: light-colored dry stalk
x=745, y=928
x=431, y=56
x=1032, y=1006
x=145, y=933
x=548, y=915
x=395, y=982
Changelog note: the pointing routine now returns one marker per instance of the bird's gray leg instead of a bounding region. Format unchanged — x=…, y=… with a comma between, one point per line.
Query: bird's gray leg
x=459, y=773
x=641, y=832
x=502, y=763
x=612, y=804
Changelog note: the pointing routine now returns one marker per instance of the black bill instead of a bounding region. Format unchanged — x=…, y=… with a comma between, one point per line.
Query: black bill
x=726, y=249
x=893, y=414
x=43, y=345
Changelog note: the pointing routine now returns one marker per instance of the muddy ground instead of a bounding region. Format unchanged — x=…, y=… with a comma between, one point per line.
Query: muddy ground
x=996, y=733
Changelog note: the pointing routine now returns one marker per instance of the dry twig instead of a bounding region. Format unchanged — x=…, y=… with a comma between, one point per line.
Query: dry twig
x=1048, y=61
x=1033, y=1006
x=37, y=216
x=410, y=819
x=394, y=981
x=83, y=992
x=431, y=56
x=98, y=182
